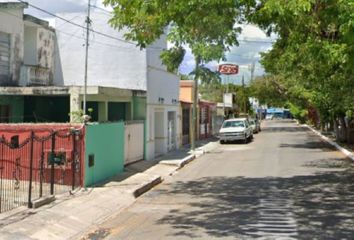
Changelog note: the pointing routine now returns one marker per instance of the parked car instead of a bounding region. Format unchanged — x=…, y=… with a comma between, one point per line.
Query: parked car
x=269, y=117
x=236, y=129
x=255, y=124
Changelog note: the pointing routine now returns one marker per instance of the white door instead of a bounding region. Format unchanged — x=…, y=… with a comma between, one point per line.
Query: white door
x=159, y=127
x=134, y=142
x=171, y=129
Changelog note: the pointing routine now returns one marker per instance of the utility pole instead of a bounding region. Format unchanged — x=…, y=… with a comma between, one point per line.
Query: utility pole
x=194, y=107
x=88, y=23
x=244, y=93
x=252, y=68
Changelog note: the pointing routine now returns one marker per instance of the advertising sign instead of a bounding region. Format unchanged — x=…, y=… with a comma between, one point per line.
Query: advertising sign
x=228, y=69
x=228, y=100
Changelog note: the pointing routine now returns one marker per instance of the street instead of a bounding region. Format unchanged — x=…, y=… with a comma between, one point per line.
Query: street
x=286, y=184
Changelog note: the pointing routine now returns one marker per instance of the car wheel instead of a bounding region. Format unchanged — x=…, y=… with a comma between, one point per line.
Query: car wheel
x=245, y=141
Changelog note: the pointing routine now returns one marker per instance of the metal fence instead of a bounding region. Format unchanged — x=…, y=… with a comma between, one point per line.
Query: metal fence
x=34, y=164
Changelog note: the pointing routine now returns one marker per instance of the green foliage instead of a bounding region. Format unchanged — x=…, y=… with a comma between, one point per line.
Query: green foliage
x=207, y=76
x=77, y=116
x=212, y=92
x=313, y=58
x=298, y=112
x=269, y=90
x=172, y=58
x=206, y=26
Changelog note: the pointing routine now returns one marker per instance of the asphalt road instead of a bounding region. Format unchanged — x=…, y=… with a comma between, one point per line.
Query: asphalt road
x=286, y=184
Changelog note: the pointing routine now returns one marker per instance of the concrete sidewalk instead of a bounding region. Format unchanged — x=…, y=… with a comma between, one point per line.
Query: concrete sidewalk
x=70, y=216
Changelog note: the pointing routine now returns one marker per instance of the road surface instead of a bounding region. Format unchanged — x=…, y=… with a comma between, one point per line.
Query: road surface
x=286, y=184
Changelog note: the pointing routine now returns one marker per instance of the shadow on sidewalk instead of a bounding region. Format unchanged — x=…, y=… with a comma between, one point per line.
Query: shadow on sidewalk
x=144, y=165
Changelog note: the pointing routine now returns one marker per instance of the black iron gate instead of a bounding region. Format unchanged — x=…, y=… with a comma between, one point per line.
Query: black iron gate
x=38, y=163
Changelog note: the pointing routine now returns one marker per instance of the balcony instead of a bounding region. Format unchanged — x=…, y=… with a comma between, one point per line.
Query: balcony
x=36, y=76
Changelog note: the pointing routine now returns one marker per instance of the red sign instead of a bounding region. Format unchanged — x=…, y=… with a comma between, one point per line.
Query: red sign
x=228, y=69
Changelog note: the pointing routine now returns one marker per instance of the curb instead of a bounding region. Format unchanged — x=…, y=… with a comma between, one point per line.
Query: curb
x=186, y=160
x=144, y=187
x=346, y=152
x=158, y=179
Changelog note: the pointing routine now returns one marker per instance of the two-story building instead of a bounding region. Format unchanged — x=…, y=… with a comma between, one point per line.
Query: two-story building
x=42, y=75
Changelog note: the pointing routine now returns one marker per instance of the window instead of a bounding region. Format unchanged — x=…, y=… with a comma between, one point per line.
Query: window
x=4, y=57
x=234, y=124
x=4, y=113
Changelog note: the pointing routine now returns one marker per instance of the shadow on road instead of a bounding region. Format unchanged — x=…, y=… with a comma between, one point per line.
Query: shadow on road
x=321, y=206
x=310, y=145
x=285, y=129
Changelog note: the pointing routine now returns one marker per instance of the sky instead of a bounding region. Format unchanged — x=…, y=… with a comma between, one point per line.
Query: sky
x=252, y=40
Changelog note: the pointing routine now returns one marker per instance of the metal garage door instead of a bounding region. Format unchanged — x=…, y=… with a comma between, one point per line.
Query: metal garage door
x=4, y=56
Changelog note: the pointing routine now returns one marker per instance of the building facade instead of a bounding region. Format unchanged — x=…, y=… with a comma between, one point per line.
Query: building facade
x=43, y=69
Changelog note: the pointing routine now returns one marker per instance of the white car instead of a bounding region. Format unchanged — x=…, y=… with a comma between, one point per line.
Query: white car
x=269, y=117
x=256, y=127
x=236, y=129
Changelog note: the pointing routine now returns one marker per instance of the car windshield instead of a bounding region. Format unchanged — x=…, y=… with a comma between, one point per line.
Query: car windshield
x=233, y=124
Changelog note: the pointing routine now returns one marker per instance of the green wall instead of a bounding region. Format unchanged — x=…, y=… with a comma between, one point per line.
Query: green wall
x=139, y=108
x=106, y=142
x=16, y=107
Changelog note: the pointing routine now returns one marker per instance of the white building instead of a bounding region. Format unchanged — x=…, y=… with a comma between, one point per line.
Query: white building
x=42, y=75
x=116, y=63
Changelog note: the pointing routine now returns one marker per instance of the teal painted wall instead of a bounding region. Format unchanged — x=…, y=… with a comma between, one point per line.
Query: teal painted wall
x=16, y=107
x=106, y=142
x=139, y=108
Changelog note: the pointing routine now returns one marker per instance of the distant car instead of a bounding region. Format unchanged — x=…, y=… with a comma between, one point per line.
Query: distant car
x=269, y=117
x=255, y=124
x=236, y=129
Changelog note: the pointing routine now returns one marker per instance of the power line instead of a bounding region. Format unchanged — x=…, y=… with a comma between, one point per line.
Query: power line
x=102, y=9
x=75, y=24
x=74, y=35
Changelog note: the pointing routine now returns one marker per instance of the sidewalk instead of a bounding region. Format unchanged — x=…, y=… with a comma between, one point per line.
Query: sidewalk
x=345, y=150
x=70, y=216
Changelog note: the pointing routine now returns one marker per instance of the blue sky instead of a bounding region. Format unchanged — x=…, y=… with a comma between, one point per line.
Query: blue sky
x=252, y=39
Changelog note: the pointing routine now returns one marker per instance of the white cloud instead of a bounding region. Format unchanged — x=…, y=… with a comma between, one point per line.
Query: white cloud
x=252, y=39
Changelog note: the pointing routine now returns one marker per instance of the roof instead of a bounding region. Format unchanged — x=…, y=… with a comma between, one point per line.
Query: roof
x=35, y=20
x=205, y=102
x=186, y=83
x=275, y=110
x=13, y=5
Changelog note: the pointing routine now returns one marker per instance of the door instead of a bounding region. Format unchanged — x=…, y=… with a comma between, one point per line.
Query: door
x=134, y=142
x=185, y=125
x=171, y=130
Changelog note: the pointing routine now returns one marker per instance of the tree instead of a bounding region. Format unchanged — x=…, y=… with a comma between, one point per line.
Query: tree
x=313, y=57
x=206, y=26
